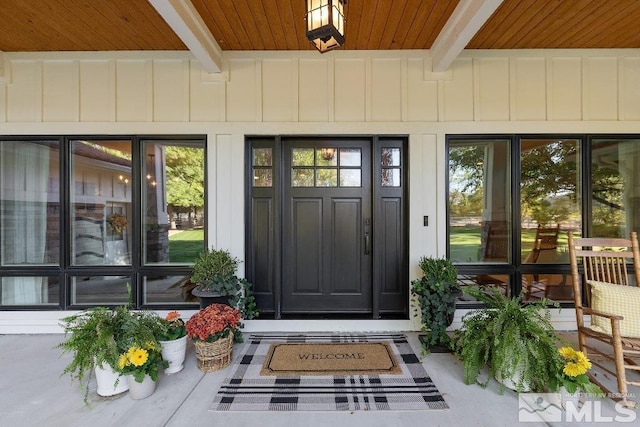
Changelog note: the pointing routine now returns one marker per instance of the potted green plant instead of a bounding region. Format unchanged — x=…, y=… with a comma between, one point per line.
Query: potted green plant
x=215, y=279
x=140, y=351
x=516, y=343
x=436, y=293
x=213, y=330
x=91, y=336
x=173, y=339
x=140, y=364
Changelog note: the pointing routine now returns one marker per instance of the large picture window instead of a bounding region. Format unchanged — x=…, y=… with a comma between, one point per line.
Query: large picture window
x=85, y=220
x=512, y=200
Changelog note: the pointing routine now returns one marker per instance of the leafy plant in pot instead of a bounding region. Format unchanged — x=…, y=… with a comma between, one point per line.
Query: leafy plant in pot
x=214, y=273
x=436, y=293
x=91, y=336
x=516, y=343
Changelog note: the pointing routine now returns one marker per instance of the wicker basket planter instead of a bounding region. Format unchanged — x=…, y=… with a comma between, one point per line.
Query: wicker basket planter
x=213, y=356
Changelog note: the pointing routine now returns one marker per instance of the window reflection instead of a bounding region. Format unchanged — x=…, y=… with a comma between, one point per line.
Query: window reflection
x=101, y=202
x=549, y=184
x=479, y=201
x=173, y=201
x=615, y=180
x=30, y=204
x=99, y=290
x=168, y=289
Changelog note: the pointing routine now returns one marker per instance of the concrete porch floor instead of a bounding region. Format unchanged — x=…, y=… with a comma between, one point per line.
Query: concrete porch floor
x=34, y=394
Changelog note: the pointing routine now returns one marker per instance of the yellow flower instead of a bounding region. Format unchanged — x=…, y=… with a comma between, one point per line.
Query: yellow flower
x=567, y=352
x=131, y=351
x=577, y=362
x=150, y=345
x=582, y=360
x=123, y=361
x=574, y=369
x=137, y=356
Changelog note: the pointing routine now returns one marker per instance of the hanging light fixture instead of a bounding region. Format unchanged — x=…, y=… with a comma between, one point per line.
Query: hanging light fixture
x=325, y=23
x=327, y=153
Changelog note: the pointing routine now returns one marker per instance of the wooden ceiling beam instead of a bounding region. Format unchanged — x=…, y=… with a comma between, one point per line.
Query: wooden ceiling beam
x=464, y=23
x=185, y=21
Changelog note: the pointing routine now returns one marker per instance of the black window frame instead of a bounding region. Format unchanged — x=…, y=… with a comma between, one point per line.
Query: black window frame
x=137, y=269
x=515, y=269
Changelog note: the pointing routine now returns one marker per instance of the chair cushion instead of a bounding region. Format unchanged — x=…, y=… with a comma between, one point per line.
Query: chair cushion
x=616, y=299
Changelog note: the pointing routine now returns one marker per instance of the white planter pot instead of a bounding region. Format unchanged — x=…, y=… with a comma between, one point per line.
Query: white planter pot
x=512, y=382
x=142, y=390
x=109, y=381
x=174, y=352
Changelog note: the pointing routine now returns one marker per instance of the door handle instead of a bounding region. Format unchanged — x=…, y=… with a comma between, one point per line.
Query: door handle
x=367, y=243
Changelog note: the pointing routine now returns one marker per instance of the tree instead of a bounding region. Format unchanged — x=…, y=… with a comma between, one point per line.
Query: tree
x=185, y=179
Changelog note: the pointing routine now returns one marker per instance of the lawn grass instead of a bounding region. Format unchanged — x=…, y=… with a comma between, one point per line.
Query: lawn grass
x=186, y=245
x=465, y=242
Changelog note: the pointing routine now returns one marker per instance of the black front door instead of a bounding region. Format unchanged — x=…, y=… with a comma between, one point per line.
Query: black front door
x=327, y=226
x=326, y=229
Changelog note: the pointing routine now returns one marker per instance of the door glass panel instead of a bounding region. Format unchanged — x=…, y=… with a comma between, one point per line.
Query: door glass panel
x=391, y=177
x=302, y=157
x=326, y=157
x=479, y=201
x=615, y=181
x=303, y=178
x=173, y=201
x=262, y=157
x=327, y=177
x=390, y=157
x=550, y=202
x=262, y=167
x=262, y=178
x=101, y=189
x=350, y=157
x=350, y=178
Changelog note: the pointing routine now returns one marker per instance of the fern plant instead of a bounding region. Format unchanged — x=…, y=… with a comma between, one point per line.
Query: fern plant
x=512, y=340
x=436, y=293
x=91, y=337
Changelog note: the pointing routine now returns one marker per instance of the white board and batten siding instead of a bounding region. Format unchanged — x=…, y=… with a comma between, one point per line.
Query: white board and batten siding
x=342, y=92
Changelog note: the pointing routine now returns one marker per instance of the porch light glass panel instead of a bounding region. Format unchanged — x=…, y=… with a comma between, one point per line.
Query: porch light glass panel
x=101, y=191
x=325, y=24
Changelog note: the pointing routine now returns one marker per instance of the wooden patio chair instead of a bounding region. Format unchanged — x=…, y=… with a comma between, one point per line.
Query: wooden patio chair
x=545, y=250
x=546, y=242
x=613, y=301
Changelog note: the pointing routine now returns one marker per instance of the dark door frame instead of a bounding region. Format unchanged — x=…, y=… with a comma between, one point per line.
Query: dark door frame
x=390, y=226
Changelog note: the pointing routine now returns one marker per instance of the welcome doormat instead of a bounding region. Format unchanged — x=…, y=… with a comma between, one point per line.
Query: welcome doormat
x=248, y=390
x=330, y=359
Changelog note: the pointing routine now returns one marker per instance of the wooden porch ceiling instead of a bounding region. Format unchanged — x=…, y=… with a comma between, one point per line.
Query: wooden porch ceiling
x=106, y=25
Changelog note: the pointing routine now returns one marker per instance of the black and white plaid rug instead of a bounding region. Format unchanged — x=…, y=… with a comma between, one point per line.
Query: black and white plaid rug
x=246, y=390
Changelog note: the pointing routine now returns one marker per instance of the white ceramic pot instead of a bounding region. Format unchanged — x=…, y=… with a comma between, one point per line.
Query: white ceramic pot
x=174, y=352
x=142, y=390
x=512, y=382
x=109, y=381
